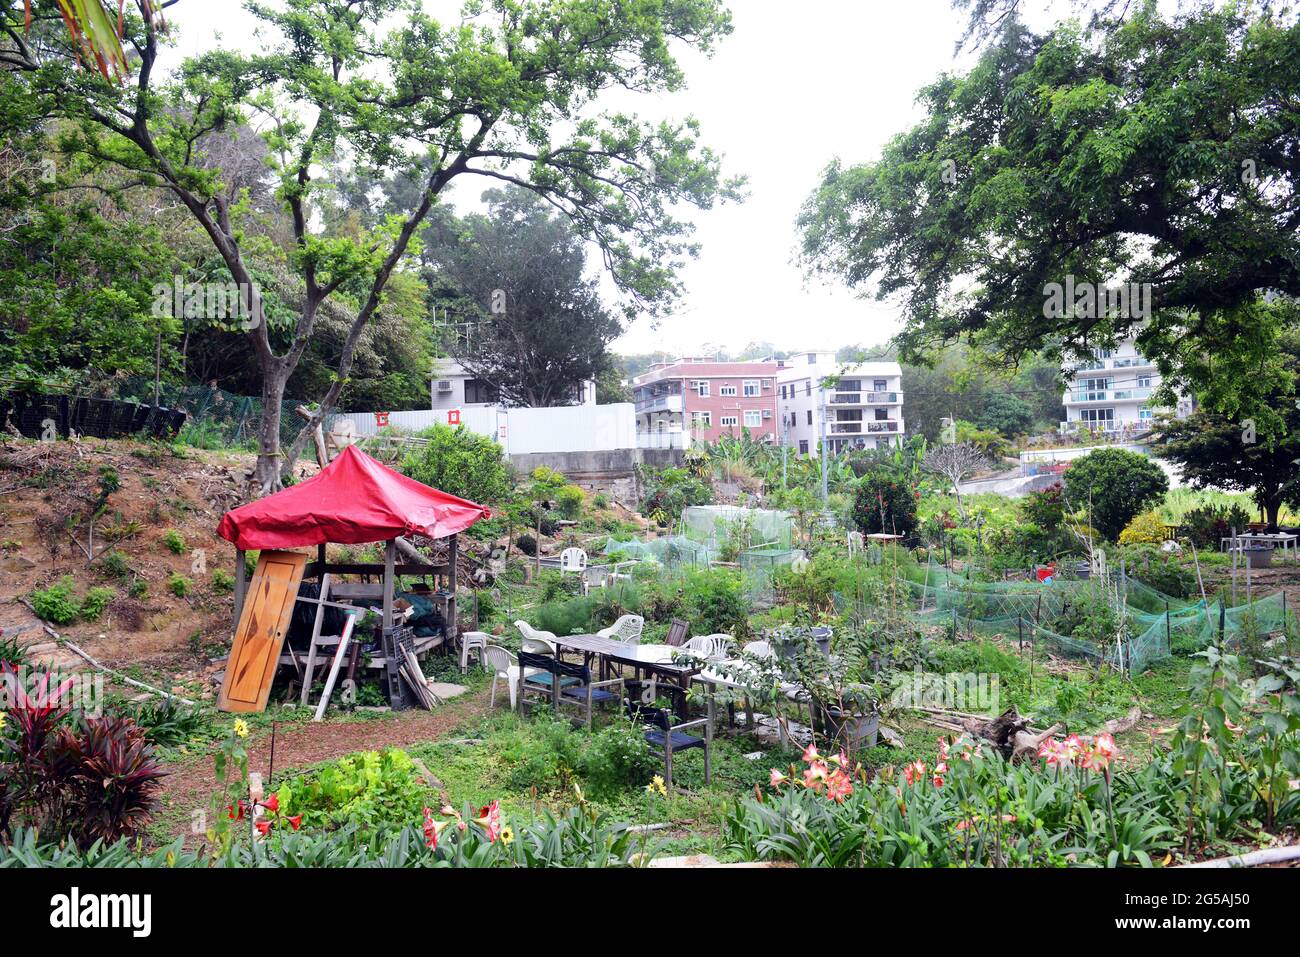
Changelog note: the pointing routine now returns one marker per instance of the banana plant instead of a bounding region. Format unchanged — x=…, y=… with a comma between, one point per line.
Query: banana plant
x=96, y=33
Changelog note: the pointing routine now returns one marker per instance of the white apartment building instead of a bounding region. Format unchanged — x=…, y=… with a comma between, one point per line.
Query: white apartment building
x=862, y=407
x=454, y=387
x=1111, y=392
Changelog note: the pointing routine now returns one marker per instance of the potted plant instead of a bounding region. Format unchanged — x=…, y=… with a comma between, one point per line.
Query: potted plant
x=842, y=689
x=1258, y=556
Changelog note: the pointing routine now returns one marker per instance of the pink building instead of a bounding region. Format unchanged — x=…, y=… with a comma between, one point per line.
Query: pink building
x=701, y=400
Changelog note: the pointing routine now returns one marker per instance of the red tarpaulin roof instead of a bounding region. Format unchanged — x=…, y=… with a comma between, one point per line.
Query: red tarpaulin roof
x=354, y=500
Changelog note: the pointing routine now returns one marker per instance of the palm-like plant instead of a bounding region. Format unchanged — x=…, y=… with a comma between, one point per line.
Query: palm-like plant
x=95, y=32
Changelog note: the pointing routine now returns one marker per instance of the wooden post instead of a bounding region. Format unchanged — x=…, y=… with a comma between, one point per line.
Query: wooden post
x=310, y=673
x=390, y=561
x=241, y=588
x=320, y=560
x=451, y=625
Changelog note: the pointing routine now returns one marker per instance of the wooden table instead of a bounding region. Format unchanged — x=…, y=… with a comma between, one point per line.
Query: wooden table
x=656, y=659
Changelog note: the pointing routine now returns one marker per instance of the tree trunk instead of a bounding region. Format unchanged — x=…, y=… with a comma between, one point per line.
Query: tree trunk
x=1273, y=506
x=266, y=473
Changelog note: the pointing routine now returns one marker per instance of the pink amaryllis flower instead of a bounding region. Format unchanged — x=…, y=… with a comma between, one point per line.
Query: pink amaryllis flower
x=811, y=754
x=914, y=772
x=816, y=775
x=490, y=817
x=1102, y=752
x=432, y=829
x=777, y=778
x=839, y=786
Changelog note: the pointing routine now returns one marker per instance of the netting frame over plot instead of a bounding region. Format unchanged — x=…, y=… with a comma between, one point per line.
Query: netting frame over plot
x=1155, y=624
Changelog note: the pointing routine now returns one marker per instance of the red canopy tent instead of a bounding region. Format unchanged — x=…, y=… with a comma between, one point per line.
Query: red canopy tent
x=356, y=500
x=353, y=501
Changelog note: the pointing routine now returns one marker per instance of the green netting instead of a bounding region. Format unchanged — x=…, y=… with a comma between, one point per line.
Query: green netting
x=719, y=526
x=234, y=418
x=1154, y=624
x=756, y=565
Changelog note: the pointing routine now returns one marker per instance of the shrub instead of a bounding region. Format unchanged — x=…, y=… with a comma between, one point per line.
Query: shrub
x=223, y=581
x=670, y=491
x=460, y=462
x=57, y=603
x=1208, y=525
x=717, y=601
x=1045, y=508
x=1006, y=413
x=139, y=588
x=526, y=544
x=174, y=541
x=74, y=778
x=115, y=565
x=96, y=601
x=569, y=500
x=179, y=585
x=1114, y=485
x=1146, y=529
x=882, y=503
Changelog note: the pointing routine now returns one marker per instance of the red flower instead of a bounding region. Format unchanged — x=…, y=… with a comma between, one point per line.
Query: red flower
x=263, y=827
x=490, y=817
x=272, y=804
x=295, y=821
x=236, y=811
x=839, y=787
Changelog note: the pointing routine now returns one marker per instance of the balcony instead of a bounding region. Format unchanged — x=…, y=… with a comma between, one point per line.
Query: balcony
x=868, y=427
x=667, y=439
x=668, y=402
x=1108, y=395
x=865, y=398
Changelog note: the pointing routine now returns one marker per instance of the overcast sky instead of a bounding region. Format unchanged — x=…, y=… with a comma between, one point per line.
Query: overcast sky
x=796, y=85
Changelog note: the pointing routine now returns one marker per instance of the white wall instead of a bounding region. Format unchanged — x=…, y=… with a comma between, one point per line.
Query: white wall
x=583, y=428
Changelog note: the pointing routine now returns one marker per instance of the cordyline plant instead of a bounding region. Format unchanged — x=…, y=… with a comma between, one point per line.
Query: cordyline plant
x=68, y=775
x=508, y=94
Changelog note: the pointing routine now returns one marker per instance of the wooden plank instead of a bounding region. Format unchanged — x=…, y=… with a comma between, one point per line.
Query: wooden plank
x=259, y=639
x=334, y=668
x=315, y=637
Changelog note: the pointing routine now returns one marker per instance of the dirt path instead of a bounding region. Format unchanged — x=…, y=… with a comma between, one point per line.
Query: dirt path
x=190, y=786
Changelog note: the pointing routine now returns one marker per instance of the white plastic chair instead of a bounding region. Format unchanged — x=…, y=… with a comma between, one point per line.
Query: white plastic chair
x=537, y=642
x=573, y=560
x=474, y=641
x=627, y=630
x=758, y=649
x=712, y=647
x=503, y=665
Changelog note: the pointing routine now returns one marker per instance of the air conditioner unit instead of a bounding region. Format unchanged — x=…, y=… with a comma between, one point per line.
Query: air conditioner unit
x=444, y=385
x=767, y=413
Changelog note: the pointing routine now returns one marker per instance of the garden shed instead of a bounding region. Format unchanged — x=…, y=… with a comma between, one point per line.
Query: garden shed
x=355, y=500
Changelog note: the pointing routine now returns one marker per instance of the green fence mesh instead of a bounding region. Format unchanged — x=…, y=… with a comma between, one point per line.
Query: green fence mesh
x=1147, y=625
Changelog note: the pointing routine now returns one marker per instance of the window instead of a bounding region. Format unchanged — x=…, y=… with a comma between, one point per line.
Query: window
x=701, y=420
x=783, y=392
x=701, y=388
x=727, y=390
x=882, y=385
x=1144, y=415
x=752, y=388
x=478, y=392
x=1103, y=418
x=882, y=415
x=807, y=386
x=729, y=421
x=767, y=414
x=753, y=418
x=810, y=416
x=803, y=446
x=1144, y=382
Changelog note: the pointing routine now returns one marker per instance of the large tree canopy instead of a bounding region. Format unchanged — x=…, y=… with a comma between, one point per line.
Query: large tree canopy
x=538, y=325
x=1219, y=451
x=507, y=94
x=1157, y=151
